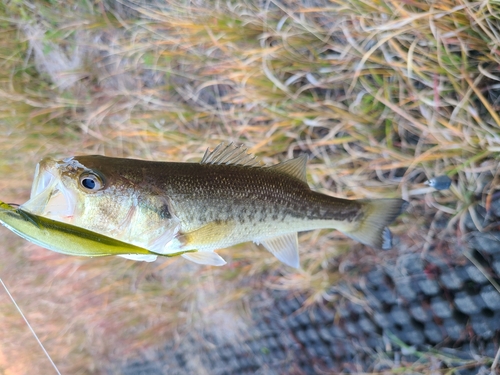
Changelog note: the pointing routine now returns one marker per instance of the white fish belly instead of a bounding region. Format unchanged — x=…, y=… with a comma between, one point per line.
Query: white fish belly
x=227, y=234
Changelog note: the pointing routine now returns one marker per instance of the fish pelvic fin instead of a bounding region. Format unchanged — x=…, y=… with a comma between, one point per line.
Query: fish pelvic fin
x=378, y=214
x=139, y=257
x=205, y=257
x=285, y=248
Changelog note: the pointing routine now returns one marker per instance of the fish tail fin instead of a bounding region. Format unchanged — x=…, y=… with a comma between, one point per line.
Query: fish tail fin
x=378, y=214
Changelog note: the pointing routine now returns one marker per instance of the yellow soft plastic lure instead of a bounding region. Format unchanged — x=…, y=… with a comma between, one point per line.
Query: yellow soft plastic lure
x=66, y=238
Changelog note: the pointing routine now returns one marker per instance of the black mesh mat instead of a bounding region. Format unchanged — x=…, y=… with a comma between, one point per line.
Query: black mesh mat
x=390, y=314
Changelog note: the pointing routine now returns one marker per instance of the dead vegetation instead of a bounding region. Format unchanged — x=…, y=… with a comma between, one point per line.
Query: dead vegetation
x=381, y=95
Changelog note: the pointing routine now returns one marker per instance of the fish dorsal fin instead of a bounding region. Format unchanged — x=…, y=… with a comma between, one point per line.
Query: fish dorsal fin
x=294, y=167
x=230, y=155
x=285, y=248
x=205, y=257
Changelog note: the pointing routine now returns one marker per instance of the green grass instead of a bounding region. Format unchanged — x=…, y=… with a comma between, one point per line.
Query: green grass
x=381, y=94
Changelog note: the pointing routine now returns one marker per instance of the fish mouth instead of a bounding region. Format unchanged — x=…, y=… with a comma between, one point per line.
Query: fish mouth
x=49, y=197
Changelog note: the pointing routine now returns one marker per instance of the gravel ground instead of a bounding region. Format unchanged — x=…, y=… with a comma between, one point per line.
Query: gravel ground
x=402, y=309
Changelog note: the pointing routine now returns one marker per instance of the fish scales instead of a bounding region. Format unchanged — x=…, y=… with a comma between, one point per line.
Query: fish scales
x=170, y=207
x=203, y=193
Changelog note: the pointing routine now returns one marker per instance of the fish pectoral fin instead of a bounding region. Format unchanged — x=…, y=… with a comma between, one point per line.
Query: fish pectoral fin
x=285, y=248
x=139, y=257
x=206, y=236
x=205, y=257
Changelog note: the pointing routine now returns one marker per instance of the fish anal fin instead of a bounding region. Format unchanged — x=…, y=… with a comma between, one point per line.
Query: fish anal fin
x=205, y=257
x=294, y=167
x=230, y=155
x=285, y=248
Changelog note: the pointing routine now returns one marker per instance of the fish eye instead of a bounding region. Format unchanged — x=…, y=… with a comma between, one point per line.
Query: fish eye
x=90, y=181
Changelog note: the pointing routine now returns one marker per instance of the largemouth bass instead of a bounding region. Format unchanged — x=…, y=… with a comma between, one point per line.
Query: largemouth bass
x=64, y=238
x=226, y=199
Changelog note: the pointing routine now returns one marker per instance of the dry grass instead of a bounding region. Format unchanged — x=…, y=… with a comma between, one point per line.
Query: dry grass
x=381, y=94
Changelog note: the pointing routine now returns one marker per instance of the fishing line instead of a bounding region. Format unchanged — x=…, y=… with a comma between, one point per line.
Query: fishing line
x=29, y=326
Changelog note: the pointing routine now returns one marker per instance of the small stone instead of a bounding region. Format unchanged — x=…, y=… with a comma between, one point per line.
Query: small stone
x=495, y=208
x=383, y=320
x=350, y=349
x=490, y=350
x=496, y=267
x=375, y=277
x=406, y=289
x=495, y=321
x=491, y=297
x=441, y=307
x=301, y=336
x=413, y=264
x=327, y=314
x=373, y=301
x=462, y=274
x=356, y=308
x=366, y=324
x=375, y=342
x=453, y=328
x=488, y=242
x=344, y=312
x=468, y=304
x=400, y=315
x=320, y=350
x=480, y=215
x=286, y=307
x=451, y=280
x=337, y=332
x=352, y=328
x=468, y=222
x=433, y=332
x=475, y=274
x=430, y=287
x=419, y=313
x=384, y=294
x=468, y=371
x=412, y=334
x=303, y=319
x=337, y=349
x=317, y=317
x=325, y=334
x=312, y=334
x=481, y=327
x=293, y=322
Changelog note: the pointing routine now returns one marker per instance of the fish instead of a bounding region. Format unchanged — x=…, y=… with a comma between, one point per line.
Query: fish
x=225, y=199
x=64, y=238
